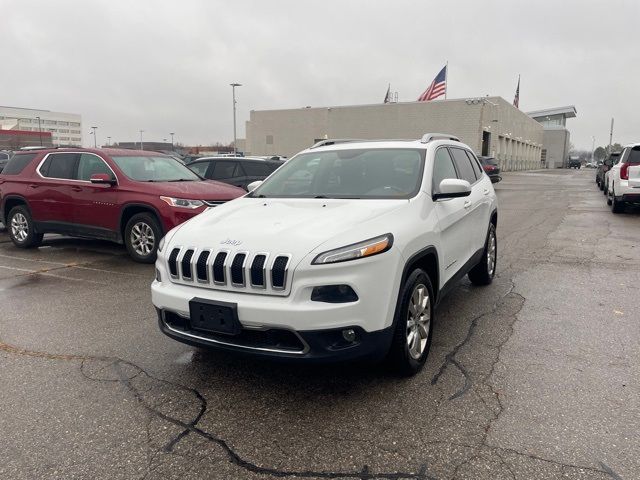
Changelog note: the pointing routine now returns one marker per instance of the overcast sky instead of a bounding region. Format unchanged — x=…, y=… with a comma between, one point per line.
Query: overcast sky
x=165, y=66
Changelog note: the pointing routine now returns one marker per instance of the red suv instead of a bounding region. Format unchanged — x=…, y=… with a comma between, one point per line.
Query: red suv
x=126, y=196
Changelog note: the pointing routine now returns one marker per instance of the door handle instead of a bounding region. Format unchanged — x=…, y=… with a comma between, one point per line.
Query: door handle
x=33, y=185
x=486, y=191
x=76, y=189
x=467, y=204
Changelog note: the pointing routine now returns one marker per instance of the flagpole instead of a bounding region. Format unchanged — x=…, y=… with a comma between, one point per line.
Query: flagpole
x=446, y=79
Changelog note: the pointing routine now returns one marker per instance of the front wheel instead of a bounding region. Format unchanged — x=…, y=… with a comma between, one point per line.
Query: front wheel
x=21, y=228
x=485, y=270
x=414, y=323
x=141, y=236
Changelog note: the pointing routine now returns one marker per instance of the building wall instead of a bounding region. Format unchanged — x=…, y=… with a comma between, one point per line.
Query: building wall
x=515, y=138
x=556, y=141
x=65, y=128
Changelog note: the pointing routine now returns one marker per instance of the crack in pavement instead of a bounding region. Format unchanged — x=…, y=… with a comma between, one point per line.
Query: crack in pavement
x=191, y=427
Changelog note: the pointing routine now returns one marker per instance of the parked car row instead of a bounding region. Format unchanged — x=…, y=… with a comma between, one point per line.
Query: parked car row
x=619, y=178
x=127, y=196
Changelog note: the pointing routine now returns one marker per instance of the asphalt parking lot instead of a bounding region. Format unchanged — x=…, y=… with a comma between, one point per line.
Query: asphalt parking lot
x=535, y=376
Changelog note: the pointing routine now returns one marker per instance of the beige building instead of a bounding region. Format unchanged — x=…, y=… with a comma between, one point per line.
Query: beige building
x=65, y=128
x=556, y=143
x=489, y=125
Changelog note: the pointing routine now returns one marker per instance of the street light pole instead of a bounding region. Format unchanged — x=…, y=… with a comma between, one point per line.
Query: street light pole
x=593, y=148
x=141, y=144
x=95, y=141
x=109, y=141
x=172, y=147
x=235, y=139
x=39, y=130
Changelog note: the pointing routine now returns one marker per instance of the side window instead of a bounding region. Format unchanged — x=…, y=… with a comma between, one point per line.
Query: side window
x=60, y=165
x=256, y=169
x=223, y=169
x=200, y=168
x=474, y=164
x=90, y=164
x=18, y=162
x=442, y=168
x=463, y=165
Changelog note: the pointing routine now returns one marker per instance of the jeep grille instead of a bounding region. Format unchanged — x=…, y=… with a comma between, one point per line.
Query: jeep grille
x=229, y=270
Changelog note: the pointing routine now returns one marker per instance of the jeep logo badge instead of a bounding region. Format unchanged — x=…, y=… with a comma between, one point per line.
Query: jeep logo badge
x=228, y=241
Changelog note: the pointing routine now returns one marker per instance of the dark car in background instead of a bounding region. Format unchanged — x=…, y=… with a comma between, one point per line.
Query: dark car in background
x=236, y=171
x=605, y=167
x=491, y=168
x=127, y=196
x=575, y=163
x=4, y=158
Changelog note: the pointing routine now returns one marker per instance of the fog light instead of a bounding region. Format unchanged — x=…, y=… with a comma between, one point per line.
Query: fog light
x=349, y=335
x=158, y=276
x=334, y=294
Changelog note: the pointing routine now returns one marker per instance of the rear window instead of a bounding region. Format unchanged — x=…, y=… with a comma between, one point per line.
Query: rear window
x=256, y=169
x=463, y=165
x=634, y=155
x=18, y=162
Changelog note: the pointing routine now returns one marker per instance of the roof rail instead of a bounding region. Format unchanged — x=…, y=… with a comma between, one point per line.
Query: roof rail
x=429, y=137
x=44, y=147
x=335, y=141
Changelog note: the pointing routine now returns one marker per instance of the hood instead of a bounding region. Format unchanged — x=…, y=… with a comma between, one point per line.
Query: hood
x=293, y=226
x=196, y=190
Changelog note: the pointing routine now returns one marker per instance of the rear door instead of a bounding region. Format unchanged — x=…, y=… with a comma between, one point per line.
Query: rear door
x=96, y=207
x=453, y=218
x=52, y=195
x=255, y=170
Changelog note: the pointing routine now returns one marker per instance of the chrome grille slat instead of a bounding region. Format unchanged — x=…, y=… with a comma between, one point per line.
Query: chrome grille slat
x=219, y=270
x=185, y=264
x=237, y=269
x=202, y=273
x=229, y=270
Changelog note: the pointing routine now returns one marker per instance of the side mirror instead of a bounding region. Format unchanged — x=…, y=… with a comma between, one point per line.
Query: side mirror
x=253, y=185
x=102, y=179
x=452, y=188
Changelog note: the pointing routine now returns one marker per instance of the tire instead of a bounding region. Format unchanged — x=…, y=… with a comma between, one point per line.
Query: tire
x=141, y=237
x=617, y=206
x=409, y=347
x=22, y=229
x=485, y=270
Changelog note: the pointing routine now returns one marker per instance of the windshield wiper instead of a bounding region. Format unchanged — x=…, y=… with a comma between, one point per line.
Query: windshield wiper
x=181, y=180
x=320, y=196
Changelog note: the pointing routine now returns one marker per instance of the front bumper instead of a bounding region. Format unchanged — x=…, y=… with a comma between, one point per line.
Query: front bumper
x=311, y=346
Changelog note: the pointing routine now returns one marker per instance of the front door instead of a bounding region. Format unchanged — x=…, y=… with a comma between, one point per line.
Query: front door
x=96, y=206
x=453, y=219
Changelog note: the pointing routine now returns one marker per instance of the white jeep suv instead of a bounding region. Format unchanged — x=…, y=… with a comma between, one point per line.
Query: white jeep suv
x=342, y=253
x=623, y=179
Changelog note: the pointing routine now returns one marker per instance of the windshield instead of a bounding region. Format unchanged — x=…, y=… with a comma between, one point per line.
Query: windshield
x=154, y=169
x=362, y=173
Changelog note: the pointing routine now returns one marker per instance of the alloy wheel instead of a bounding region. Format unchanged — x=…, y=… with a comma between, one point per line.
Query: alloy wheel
x=19, y=227
x=418, y=321
x=143, y=239
x=491, y=253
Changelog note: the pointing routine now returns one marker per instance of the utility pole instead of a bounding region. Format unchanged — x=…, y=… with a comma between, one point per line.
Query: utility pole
x=39, y=130
x=172, y=147
x=141, y=144
x=235, y=139
x=95, y=141
x=610, y=137
x=593, y=148
x=109, y=141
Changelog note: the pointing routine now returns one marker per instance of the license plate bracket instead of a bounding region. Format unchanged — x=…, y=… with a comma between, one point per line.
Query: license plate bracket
x=214, y=316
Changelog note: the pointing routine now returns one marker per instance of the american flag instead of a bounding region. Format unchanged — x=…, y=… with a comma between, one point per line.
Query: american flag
x=516, y=99
x=437, y=88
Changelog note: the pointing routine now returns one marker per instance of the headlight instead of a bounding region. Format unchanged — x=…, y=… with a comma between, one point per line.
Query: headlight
x=182, y=202
x=366, y=248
